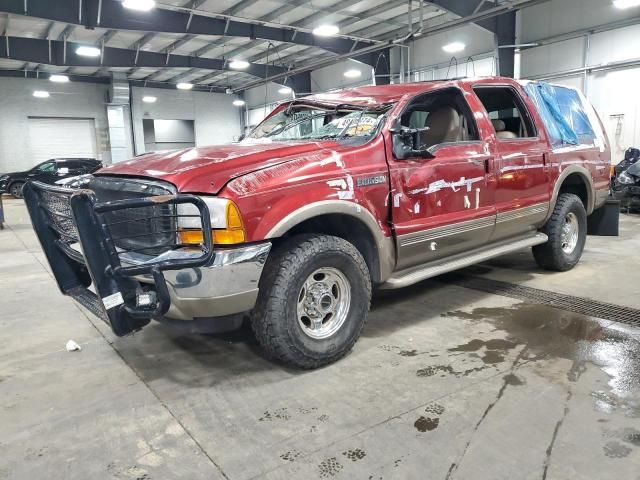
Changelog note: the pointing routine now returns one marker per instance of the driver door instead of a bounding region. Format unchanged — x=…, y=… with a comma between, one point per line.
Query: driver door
x=443, y=205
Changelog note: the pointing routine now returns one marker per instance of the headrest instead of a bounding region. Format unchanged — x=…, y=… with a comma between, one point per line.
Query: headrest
x=499, y=125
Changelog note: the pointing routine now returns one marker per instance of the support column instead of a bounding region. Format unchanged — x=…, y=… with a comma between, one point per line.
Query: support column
x=506, y=35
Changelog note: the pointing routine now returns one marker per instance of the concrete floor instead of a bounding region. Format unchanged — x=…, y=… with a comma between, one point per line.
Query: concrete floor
x=445, y=382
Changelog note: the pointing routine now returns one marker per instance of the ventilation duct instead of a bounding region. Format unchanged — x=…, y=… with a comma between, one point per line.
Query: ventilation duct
x=119, y=91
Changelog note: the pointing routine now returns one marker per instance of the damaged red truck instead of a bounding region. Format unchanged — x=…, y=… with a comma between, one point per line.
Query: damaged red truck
x=329, y=197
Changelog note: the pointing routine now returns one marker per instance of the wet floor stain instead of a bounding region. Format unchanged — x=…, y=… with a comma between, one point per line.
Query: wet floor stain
x=329, y=467
x=426, y=424
x=513, y=380
x=355, y=454
x=552, y=333
x=616, y=450
x=290, y=456
x=279, y=414
x=435, y=409
x=444, y=370
x=408, y=353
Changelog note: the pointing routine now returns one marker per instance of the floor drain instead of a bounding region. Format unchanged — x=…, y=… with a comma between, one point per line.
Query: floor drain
x=570, y=303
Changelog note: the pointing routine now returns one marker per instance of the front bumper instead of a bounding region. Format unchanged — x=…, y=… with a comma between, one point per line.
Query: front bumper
x=128, y=288
x=226, y=286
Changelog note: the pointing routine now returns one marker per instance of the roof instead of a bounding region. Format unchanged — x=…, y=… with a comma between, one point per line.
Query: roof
x=374, y=95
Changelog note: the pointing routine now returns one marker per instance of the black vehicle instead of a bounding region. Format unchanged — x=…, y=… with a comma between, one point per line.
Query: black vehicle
x=50, y=172
x=626, y=187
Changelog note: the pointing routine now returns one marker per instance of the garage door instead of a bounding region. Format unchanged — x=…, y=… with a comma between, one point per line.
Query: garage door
x=61, y=137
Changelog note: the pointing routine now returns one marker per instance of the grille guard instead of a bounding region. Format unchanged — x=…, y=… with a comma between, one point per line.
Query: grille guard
x=116, y=291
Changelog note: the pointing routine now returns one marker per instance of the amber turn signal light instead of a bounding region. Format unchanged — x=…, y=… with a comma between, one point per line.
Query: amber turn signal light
x=233, y=234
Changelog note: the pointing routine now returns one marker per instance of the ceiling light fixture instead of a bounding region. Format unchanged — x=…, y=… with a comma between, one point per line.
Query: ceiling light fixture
x=454, y=47
x=149, y=99
x=326, y=30
x=41, y=94
x=141, y=5
x=238, y=64
x=284, y=90
x=238, y=103
x=184, y=86
x=353, y=73
x=622, y=4
x=58, y=78
x=88, y=51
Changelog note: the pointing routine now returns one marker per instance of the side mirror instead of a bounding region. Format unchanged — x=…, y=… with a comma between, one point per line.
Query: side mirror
x=406, y=142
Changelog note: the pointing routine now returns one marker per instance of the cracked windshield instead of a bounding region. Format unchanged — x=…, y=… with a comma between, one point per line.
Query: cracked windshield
x=312, y=123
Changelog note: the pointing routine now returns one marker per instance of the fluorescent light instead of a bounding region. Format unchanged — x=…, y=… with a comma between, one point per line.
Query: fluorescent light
x=238, y=103
x=353, y=73
x=88, y=51
x=622, y=4
x=284, y=90
x=184, y=86
x=59, y=78
x=326, y=30
x=149, y=99
x=238, y=64
x=454, y=47
x=41, y=94
x=142, y=5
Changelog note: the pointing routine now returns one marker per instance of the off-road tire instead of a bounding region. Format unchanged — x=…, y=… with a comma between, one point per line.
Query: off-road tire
x=274, y=320
x=15, y=189
x=550, y=255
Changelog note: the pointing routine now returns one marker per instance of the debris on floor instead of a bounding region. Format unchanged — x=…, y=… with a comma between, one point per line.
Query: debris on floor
x=73, y=346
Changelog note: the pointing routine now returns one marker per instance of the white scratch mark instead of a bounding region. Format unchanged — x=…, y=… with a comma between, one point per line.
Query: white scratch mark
x=396, y=200
x=477, y=198
x=467, y=203
x=416, y=208
x=441, y=184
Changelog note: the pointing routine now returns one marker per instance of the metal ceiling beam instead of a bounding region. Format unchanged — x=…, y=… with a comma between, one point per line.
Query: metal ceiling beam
x=114, y=16
x=465, y=8
x=37, y=51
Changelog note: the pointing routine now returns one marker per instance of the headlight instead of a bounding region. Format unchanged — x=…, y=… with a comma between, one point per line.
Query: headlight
x=226, y=222
x=625, y=179
x=3, y=177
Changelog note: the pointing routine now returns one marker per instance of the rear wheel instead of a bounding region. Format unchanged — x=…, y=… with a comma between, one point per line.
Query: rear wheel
x=16, y=189
x=567, y=232
x=313, y=302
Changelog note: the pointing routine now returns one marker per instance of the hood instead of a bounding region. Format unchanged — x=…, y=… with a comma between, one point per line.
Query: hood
x=208, y=169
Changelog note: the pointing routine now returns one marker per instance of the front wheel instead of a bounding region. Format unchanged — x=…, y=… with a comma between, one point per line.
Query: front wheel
x=567, y=232
x=313, y=302
x=16, y=189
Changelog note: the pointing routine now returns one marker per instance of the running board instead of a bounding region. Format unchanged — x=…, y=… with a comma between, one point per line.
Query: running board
x=412, y=275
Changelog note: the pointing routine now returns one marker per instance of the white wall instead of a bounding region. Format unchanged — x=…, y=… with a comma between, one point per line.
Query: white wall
x=217, y=120
x=74, y=99
x=613, y=92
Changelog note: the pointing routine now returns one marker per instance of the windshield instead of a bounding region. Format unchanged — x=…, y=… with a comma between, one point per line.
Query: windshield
x=304, y=122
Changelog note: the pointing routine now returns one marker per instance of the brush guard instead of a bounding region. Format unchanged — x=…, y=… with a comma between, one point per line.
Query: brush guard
x=63, y=216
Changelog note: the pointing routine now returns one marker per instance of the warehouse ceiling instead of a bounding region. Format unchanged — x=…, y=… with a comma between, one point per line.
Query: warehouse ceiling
x=195, y=41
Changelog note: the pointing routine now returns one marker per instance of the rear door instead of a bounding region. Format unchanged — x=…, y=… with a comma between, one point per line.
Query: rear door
x=443, y=205
x=522, y=175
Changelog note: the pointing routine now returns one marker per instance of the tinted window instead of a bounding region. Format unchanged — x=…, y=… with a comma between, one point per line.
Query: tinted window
x=508, y=114
x=48, y=167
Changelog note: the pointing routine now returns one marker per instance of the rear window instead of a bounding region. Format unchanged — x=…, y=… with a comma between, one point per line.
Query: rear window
x=564, y=114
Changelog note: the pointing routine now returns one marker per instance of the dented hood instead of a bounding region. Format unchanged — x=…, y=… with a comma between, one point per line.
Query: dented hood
x=208, y=169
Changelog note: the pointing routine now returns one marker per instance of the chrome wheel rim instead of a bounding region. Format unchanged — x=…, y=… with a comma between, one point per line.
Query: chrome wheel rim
x=570, y=233
x=323, y=303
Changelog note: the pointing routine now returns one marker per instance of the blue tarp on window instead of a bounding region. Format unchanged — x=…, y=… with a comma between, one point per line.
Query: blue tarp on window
x=562, y=112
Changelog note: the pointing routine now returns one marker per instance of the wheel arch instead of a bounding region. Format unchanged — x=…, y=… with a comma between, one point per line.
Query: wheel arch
x=577, y=180
x=346, y=220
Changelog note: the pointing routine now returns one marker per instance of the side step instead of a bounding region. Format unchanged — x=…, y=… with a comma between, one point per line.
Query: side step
x=412, y=275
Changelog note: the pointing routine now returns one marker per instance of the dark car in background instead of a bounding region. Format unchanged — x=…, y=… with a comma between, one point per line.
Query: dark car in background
x=50, y=171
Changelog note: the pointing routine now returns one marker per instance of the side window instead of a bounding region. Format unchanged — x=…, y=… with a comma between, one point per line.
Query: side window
x=443, y=117
x=48, y=167
x=509, y=116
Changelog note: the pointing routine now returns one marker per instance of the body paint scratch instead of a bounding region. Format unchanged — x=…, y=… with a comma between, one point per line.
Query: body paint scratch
x=441, y=184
